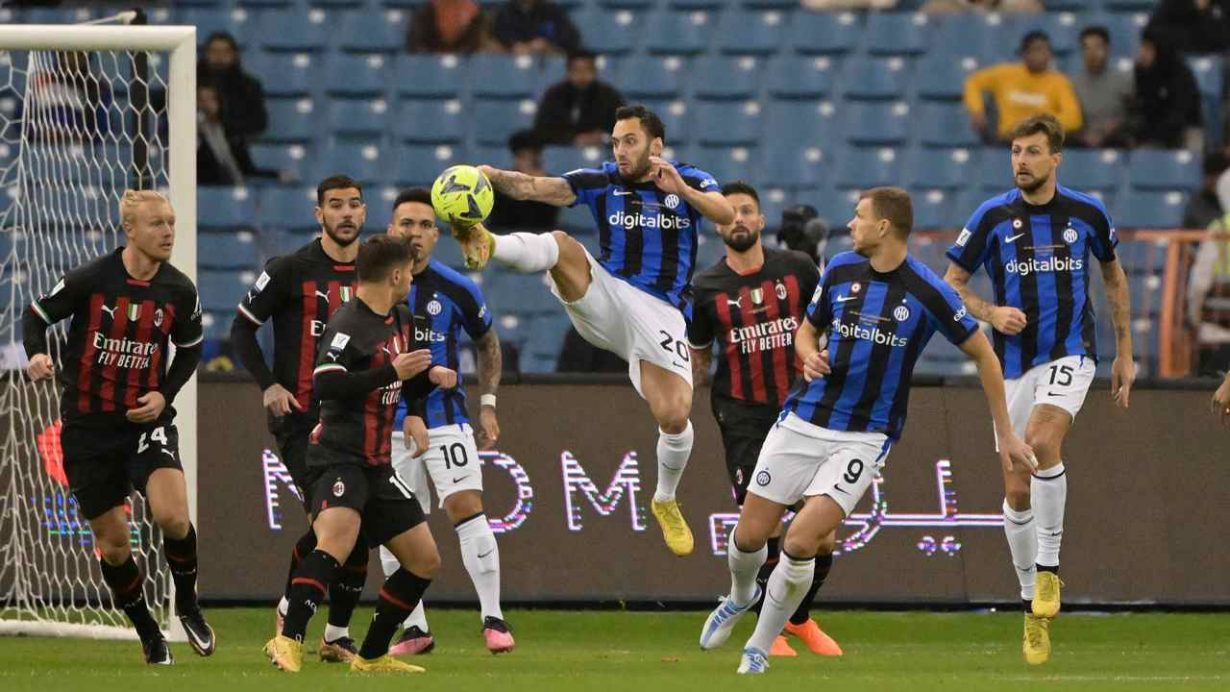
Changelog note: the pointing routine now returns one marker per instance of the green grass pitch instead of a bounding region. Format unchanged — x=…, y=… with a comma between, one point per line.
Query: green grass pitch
x=648, y=652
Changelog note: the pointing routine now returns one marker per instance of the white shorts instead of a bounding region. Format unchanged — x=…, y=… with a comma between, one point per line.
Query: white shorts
x=616, y=316
x=452, y=462
x=801, y=460
x=1063, y=383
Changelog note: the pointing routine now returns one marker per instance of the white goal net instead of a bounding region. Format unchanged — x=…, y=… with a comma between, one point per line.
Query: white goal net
x=78, y=126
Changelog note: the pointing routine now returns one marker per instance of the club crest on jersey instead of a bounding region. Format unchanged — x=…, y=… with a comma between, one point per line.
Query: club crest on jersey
x=1070, y=235
x=134, y=312
x=671, y=201
x=901, y=313
x=780, y=289
x=757, y=296
x=763, y=478
x=434, y=308
x=339, y=488
x=157, y=318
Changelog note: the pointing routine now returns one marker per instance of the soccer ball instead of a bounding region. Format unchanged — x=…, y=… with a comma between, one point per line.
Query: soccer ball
x=462, y=194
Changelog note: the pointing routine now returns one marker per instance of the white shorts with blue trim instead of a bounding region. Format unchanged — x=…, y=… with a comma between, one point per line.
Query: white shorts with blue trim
x=1062, y=383
x=452, y=462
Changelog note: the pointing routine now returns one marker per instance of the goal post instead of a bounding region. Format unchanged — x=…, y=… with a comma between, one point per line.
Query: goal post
x=71, y=140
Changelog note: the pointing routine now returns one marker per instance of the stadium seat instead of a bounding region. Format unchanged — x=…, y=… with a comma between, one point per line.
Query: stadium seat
x=1093, y=169
x=210, y=20
x=352, y=118
x=494, y=121
x=292, y=120
x=558, y=160
x=286, y=207
x=1151, y=209
x=612, y=32
x=960, y=35
x=420, y=164
x=430, y=122
x=430, y=76
x=648, y=76
x=724, y=164
x=1124, y=29
x=235, y=250
x=728, y=123
x=293, y=31
x=289, y=158
x=1154, y=169
x=874, y=78
x=726, y=78
x=814, y=33
x=788, y=165
x=363, y=161
x=933, y=209
x=356, y=76
x=897, y=33
x=503, y=77
x=578, y=220
x=676, y=115
x=802, y=123
x=861, y=168
x=371, y=32
x=221, y=290
x=943, y=125
x=669, y=32
x=994, y=170
x=227, y=208
x=939, y=76
x=751, y=33
x=291, y=74
x=949, y=169
x=800, y=77
x=878, y=123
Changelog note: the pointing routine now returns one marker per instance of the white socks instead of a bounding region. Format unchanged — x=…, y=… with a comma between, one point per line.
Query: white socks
x=333, y=634
x=481, y=556
x=1023, y=544
x=743, y=570
x=530, y=253
x=673, y=453
x=1048, y=492
x=787, y=586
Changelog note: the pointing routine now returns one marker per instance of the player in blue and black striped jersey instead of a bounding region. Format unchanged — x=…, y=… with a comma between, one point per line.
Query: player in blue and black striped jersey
x=633, y=299
x=1035, y=244
x=447, y=305
x=879, y=307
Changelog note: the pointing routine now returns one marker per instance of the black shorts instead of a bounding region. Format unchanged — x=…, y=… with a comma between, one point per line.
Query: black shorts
x=292, y=434
x=744, y=429
x=387, y=505
x=105, y=461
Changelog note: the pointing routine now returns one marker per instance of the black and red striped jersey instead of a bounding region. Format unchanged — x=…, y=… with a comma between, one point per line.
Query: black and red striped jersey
x=359, y=428
x=753, y=318
x=300, y=292
x=121, y=327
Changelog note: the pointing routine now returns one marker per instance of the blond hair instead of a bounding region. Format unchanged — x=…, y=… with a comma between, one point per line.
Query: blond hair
x=132, y=198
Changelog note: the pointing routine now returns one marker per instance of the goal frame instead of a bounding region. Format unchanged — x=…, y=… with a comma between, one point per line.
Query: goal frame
x=180, y=43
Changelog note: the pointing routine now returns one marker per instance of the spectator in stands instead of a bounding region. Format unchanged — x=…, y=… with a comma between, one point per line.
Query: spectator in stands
x=508, y=214
x=1208, y=290
x=1204, y=207
x=1001, y=6
x=68, y=100
x=1105, y=93
x=450, y=26
x=242, y=96
x=579, y=110
x=1168, y=111
x=1022, y=89
x=222, y=156
x=1195, y=26
x=536, y=27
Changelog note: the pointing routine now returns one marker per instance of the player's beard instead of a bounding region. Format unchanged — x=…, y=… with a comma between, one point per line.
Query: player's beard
x=741, y=238
x=1035, y=183
x=342, y=241
x=640, y=169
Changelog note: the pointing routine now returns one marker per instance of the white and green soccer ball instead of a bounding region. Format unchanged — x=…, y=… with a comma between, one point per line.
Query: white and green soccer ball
x=462, y=194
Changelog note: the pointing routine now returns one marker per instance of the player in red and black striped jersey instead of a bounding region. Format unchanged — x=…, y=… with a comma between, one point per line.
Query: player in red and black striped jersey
x=118, y=433
x=751, y=304
x=300, y=292
x=367, y=366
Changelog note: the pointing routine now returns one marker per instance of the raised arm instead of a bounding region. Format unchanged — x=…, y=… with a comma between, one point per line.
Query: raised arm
x=548, y=190
x=1123, y=369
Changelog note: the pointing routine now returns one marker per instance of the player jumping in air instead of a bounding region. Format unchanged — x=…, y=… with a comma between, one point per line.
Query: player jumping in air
x=119, y=429
x=1034, y=243
x=368, y=363
x=879, y=307
x=632, y=300
x=300, y=292
x=751, y=303
x=445, y=304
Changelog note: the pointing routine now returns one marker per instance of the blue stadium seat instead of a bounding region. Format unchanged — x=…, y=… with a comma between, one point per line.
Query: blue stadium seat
x=430, y=76
x=228, y=208
x=290, y=158
x=789, y=165
x=1208, y=71
x=221, y=290
x=678, y=33
x=726, y=78
x=800, y=77
x=366, y=162
x=286, y=207
x=292, y=120
x=609, y=32
x=209, y=20
x=1093, y=169
x=1154, y=169
x=722, y=163
x=494, y=121
x=648, y=76
x=878, y=123
x=684, y=4
x=291, y=74
x=940, y=76
x=1124, y=29
x=431, y=122
x=960, y=35
x=814, y=33
x=875, y=78
x=350, y=118
x=558, y=160
x=943, y=125
x=220, y=250
x=933, y=209
x=751, y=33
x=802, y=123
x=728, y=123
x=897, y=33
x=1130, y=5
x=356, y=75
x=994, y=171
x=949, y=169
x=371, y=31
x=504, y=77
x=1151, y=209
x=292, y=31
x=420, y=164
x=861, y=168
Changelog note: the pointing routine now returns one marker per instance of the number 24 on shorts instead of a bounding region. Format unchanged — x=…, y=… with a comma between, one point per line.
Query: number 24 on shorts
x=158, y=435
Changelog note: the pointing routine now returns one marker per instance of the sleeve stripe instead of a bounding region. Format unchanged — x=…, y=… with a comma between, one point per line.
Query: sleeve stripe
x=41, y=313
x=194, y=342
x=328, y=367
x=244, y=311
